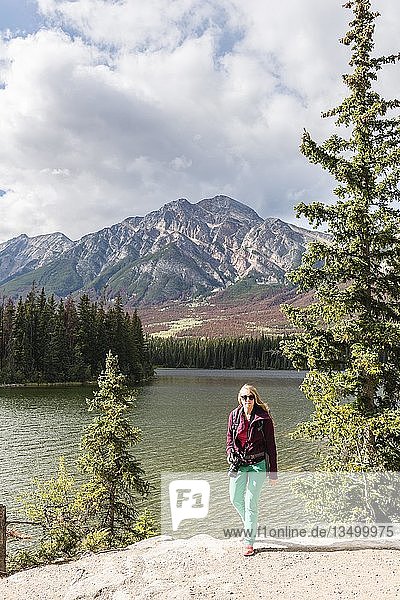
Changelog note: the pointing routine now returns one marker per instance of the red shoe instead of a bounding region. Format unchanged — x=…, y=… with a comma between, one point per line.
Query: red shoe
x=248, y=551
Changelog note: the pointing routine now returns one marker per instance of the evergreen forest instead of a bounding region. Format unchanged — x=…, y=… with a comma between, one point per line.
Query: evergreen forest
x=261, y=352
x=43, y=340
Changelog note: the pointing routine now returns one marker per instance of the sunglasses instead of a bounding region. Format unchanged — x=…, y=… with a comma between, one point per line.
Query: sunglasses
x=250, y=397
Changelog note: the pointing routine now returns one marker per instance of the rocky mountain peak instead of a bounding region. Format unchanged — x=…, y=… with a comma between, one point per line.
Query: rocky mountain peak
x=181, y=251
x=223, y=207
x=19, y=240
x=23, y=254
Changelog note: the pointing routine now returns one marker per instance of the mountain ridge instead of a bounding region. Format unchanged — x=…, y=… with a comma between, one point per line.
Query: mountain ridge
x=180, y=252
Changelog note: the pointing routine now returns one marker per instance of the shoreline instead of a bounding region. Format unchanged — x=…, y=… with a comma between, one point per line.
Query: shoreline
x=57, y=384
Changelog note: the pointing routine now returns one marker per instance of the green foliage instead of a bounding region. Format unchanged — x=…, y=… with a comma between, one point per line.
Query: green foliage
x=60, y=277
x=106, y=455
x=261, y=352
x=105, y=510
x=144, y=526
x=45, y=341
x=338, y=497
x=62, y=511
x=66, y=514
x=248, y=288
x=350, y=338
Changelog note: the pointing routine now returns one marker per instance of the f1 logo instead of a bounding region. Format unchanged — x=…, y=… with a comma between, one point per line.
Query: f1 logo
x=189, y=499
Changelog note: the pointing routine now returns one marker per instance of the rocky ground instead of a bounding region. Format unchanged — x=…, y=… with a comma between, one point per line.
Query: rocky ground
x=204, y=568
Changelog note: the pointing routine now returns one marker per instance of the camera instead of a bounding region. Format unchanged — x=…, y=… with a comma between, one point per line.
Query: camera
x=235, y=461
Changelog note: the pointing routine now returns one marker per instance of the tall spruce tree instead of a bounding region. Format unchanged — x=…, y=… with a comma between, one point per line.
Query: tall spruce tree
x=351, y=332
x=7, y=340
x=104, y=510
x=115, y=474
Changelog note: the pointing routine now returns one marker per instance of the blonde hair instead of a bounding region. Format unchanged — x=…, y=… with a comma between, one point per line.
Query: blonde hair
x=253, y=390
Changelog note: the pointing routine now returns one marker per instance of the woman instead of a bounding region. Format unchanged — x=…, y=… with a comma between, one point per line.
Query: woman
x=250, y=440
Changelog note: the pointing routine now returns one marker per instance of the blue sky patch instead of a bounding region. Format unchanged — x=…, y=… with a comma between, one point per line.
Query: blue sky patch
x=19, y=15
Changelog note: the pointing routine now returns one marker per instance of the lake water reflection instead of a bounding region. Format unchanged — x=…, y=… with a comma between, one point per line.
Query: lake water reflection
x=182, y=413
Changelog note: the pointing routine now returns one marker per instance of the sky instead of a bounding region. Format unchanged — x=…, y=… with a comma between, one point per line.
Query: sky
x=112, y=108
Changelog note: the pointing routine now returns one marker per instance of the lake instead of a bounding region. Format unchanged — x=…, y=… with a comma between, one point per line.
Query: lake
x=182, y=413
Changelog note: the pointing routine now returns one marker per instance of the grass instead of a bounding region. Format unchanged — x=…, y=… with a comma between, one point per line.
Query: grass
x=178, y=326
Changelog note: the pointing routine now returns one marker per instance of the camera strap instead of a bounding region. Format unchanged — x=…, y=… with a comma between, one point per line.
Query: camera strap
x=236, y=421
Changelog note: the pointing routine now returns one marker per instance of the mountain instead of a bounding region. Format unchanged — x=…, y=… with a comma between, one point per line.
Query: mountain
x=23, y=254
x=182, y=251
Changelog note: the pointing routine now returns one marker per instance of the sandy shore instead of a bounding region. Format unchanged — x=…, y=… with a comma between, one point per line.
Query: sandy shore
x=203, y=567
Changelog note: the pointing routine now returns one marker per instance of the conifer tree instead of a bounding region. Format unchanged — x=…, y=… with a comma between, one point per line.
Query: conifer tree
x=87, y=335
x=22, y=346
x=104, y=510
x=72, y=353
x=8, y=339
x=49, y=353
x=7, y=312
x=106, y=457
x=139, y=356
x=102, y=334
x=41, y=340
x=351, y=332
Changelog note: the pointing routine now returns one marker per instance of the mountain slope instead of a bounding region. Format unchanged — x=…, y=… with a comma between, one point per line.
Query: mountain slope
x=23, y=254
x=180, y=252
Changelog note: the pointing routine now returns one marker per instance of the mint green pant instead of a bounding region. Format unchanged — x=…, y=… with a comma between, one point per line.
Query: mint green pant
x=244, y=492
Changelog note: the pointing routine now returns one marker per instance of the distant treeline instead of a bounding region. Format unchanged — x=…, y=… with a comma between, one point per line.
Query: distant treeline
x=220, y=353
x=42, y=340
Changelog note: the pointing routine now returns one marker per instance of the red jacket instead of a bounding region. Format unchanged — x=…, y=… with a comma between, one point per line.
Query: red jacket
x=256, y=442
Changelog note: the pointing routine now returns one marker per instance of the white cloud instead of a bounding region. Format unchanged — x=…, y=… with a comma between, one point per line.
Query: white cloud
x=117, y=107
x=181, y=162
x=134, y=24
